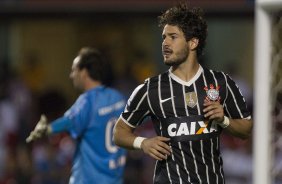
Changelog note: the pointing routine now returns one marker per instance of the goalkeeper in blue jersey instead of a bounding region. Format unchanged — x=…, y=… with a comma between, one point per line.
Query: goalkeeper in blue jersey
x=90, y=122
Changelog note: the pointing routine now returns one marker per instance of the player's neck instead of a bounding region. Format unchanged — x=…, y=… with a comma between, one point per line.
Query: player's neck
x=186, y=70
x=91, y=84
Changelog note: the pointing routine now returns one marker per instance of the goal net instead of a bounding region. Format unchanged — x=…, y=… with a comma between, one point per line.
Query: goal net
x=276, y=88
x=268, y=93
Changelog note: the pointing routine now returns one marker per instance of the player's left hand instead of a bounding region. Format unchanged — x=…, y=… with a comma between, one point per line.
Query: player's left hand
x=213, y=111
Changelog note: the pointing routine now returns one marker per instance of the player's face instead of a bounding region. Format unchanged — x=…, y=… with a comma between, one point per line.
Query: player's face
x=75, y=74
x=174, y=47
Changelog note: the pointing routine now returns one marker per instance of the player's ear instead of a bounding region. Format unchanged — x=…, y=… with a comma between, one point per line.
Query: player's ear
x=193, y=43
x=84, y=72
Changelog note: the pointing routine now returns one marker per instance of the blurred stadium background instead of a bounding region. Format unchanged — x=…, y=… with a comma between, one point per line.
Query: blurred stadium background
x=40, y=38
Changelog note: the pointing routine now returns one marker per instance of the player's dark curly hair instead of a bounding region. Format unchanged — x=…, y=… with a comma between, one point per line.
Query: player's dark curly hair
x=189, y=20
x=93, y=61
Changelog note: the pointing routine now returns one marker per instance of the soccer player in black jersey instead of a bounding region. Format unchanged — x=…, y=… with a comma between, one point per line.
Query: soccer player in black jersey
x=189, y=105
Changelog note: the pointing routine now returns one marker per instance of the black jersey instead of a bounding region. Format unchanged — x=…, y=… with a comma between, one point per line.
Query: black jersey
x=176, y=108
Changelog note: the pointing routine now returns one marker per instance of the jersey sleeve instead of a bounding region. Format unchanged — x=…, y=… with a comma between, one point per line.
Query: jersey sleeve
x=235, y=105
x=78, y=116
x=62, y=124
x=137, y=107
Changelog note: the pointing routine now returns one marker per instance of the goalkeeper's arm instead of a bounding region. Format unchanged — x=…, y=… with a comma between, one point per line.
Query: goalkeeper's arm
x=62, y=124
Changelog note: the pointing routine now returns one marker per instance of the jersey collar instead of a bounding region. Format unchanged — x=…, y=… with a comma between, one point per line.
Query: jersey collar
x=196, y=76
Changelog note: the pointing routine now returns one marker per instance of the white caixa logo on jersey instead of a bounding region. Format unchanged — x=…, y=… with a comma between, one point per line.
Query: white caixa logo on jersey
x=191, y=128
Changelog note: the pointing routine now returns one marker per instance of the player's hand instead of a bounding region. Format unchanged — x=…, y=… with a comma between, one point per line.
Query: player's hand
x=214, y=111
x=156, y=147
x=39, y=130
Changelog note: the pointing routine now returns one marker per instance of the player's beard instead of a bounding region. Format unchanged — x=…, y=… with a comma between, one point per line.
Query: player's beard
x=177, y=58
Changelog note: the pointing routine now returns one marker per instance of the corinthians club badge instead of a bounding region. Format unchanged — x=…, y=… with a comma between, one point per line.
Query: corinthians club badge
x=212, y=93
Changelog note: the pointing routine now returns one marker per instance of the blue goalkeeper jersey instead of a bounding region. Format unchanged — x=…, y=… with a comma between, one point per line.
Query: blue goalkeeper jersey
x=90, y=122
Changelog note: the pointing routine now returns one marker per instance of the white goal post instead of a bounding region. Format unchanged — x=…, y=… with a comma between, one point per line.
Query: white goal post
x=262, y=138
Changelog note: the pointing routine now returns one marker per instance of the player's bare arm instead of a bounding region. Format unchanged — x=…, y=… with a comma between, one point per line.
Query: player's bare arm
x=241, y=128
x=155, y=147
x=123, y=135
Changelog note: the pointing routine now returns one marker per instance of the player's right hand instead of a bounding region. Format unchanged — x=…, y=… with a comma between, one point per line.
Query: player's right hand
x=156, y=147
x=39, y=130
